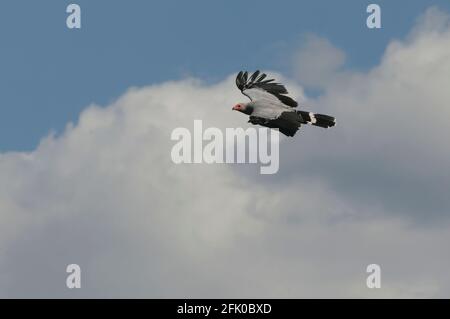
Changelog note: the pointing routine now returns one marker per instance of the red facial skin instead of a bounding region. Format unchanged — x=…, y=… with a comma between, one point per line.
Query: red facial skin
x=237, y=107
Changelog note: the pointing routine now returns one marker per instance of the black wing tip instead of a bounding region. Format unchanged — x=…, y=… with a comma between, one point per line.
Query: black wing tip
x=258, y=79
x=240, y=82
x=244, y=81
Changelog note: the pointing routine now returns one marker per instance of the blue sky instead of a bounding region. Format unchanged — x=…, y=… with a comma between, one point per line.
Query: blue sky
x=49, y=73
x=107, y=195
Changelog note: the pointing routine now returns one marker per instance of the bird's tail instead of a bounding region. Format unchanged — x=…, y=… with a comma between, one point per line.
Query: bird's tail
x=321, y=120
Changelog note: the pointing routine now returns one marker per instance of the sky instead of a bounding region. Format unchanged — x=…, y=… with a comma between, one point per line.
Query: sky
x=124, y=44
x=86, y=175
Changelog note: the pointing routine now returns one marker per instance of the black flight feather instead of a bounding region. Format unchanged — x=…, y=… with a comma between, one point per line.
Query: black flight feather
x=256, y=81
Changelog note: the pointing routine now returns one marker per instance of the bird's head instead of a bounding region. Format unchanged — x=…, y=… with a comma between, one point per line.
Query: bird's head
x=243, y=107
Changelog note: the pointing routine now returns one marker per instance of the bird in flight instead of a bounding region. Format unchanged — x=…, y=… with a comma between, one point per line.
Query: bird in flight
x=271, y=107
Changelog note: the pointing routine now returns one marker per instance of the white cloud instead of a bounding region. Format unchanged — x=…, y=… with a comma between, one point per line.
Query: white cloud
x=106, y=195
x=317, y=63
x=392, y=122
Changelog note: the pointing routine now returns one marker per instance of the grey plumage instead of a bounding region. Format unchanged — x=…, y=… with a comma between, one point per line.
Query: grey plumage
x=277, y=89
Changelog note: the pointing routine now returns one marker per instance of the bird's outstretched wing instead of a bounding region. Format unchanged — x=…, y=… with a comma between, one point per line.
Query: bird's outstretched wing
x=257, y=86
